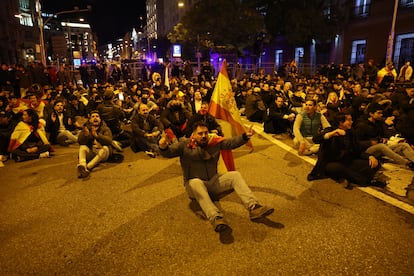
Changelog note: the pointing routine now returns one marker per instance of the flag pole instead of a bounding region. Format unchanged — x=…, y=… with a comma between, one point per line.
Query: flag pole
x=390, y=45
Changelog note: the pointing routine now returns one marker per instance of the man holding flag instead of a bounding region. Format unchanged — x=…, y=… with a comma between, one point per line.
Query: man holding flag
x=224, y=108
x=199, y=156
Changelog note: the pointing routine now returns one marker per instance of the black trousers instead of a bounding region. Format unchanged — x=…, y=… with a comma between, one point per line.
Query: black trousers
x=357, y=171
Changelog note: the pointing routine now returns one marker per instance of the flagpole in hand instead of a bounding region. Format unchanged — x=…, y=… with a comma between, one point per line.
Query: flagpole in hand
x=250, y=132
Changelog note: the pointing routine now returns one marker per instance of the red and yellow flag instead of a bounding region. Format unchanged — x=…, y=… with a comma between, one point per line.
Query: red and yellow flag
x=224, y=108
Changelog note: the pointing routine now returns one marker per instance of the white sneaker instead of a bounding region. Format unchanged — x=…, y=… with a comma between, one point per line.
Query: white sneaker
x=44, y=155
x=150, y=153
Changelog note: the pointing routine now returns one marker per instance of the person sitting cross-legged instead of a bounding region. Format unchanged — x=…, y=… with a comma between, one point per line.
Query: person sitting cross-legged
x=61, y=126
x=28, y=141
x=146, y=130
x=370, y=132
x=95, y=141
x=340, y=156
x=279, y=118
x=199, y=156
x=307, y=124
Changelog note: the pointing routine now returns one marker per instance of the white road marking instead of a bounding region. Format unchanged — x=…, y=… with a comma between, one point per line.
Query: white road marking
x=380, y=195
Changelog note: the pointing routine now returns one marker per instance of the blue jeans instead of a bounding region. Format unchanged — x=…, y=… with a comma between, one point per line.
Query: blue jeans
x=220, y=183
x=396, y=152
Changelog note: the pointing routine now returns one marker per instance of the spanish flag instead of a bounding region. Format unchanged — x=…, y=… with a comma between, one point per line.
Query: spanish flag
x=224, y=108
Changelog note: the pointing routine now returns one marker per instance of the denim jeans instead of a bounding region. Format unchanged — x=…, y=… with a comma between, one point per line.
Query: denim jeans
x=90, y=158
x=392, y=152
x=201, y=191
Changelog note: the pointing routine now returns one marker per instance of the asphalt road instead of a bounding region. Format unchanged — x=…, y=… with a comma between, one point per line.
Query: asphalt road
x=134, y=218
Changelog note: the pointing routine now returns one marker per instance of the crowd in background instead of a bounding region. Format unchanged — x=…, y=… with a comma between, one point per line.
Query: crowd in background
x=62, y=104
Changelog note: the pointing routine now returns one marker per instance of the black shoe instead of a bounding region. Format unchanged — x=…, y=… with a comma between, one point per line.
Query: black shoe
x=258, y=211
x=378, y=183
x=82, y=172
x=220, y=224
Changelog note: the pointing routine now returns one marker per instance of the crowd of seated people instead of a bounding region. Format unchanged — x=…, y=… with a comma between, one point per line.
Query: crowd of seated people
x=286, y=102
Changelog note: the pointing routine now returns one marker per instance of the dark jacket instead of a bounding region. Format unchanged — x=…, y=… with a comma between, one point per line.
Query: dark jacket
x=141, y=125
x=367, y=131
x=341, y=149
x=112, y=115
x=53, y=127
x=104, y=136
x=197, y=162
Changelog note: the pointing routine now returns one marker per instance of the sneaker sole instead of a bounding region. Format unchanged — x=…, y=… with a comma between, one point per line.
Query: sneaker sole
x=222, y=228
x=265, y=214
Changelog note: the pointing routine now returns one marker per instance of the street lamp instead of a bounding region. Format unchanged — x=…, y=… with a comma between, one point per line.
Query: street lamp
x=42, y=24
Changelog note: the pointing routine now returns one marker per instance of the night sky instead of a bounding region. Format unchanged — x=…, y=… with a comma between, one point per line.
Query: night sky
x=109, y=19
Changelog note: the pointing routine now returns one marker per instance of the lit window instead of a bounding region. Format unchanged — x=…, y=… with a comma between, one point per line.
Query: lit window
x=358, y=51
x=407, y=3
x=299, y=53
x=404, y=49
x=25, y=19
x=279, y=58
x=362, y=7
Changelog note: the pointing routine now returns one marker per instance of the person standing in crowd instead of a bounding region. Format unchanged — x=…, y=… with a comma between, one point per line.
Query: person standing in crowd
x=406, y=124
x=199, y=156
x=207, y=71
x=7, y=77
x=406, y=72
x=28, y=140
x=63, y=76
x=85, y=76
x=95, y=141
x=340, y=156
x=188, y=70
x=370, y=71
x=307, y=124
x=23, y=79
x=386, y=75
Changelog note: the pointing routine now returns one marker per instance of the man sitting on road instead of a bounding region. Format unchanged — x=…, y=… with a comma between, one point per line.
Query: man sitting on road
x=146, y=130
x=307, y=124
x=340, y=156
x=95, y=141
x=199, y=156
x=61, y=126
x=279, y=118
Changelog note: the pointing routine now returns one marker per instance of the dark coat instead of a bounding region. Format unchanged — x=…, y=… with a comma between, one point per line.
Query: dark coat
x=341, y=149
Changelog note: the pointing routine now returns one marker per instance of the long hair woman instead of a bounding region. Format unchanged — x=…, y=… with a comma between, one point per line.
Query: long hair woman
x=28, y=140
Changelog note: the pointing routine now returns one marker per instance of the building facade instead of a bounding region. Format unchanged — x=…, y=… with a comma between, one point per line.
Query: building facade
x=19, y=31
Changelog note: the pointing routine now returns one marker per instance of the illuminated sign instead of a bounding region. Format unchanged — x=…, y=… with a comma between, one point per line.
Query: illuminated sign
x=176, y=50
